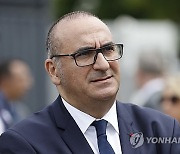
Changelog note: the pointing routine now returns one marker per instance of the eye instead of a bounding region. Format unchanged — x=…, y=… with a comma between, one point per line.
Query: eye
x=85, y=53
x=82, y=53
x=108, y=49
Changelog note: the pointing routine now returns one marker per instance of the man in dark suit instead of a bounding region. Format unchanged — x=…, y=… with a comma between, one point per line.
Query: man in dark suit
x=15, y=82
x=86, y=118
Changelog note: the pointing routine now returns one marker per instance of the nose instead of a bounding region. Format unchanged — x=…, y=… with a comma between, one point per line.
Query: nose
x=101, y=63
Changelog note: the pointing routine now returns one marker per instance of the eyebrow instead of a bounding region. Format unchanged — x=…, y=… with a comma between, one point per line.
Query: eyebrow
x=106, y=44
x=89, y=48
x=83, y=49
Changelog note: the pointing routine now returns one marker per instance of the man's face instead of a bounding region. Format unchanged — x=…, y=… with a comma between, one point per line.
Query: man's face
x=97, y=82
x=20, y=80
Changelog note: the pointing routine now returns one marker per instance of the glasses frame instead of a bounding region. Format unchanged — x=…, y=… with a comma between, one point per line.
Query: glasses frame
x=99, y=50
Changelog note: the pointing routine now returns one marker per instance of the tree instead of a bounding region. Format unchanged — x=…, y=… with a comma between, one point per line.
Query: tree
x=149, y=9
x=110, y=9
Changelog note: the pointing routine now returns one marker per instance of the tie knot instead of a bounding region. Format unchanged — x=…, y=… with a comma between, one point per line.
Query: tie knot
x=100, y=126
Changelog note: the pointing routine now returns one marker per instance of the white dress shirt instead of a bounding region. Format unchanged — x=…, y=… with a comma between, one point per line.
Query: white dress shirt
x=2, y=128
x=84, y=121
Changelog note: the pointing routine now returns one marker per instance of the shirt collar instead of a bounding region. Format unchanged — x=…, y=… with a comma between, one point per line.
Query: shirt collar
x=84, y=120
x=111, y=117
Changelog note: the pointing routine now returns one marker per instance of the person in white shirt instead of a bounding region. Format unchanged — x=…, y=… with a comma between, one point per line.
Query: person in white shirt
x=149, y=79
x=15, y=81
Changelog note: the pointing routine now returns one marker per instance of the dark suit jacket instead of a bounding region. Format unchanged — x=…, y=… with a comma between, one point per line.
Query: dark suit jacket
x=7, y=108
x=53, y=131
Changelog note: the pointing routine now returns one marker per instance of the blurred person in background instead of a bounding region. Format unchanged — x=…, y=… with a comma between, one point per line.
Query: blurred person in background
x=170, y=101
x=15, y=81
x=149, y=80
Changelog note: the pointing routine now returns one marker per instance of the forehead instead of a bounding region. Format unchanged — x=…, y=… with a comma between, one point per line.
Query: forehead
x=83, y=31
x=19, y=69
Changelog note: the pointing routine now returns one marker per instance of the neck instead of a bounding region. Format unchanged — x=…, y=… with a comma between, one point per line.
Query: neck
x=94, y=107
x=99, y=109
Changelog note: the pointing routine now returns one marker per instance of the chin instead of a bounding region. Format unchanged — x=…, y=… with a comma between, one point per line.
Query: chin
x=106, y=95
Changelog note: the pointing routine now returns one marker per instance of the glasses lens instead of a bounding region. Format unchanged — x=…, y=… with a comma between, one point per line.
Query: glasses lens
x=85, y=58
x=112, y=52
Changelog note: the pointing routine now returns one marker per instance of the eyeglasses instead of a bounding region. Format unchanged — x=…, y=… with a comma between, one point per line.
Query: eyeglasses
x=111, y=52
x=173, y=99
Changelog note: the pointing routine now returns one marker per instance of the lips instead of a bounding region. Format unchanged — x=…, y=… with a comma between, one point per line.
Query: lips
x=101, y=79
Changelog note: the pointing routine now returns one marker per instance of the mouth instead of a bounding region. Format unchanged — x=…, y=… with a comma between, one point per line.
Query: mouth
x=102, y=79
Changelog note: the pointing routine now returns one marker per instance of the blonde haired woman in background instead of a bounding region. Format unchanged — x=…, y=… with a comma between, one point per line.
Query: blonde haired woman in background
x=170, y=101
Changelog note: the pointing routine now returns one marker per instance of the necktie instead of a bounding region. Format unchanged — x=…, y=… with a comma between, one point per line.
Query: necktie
x=103, y=144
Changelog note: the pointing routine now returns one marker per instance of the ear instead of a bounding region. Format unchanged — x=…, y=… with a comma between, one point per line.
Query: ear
x=52, y=71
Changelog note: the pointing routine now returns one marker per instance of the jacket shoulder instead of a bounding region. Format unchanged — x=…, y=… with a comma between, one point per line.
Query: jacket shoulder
x=144, y=117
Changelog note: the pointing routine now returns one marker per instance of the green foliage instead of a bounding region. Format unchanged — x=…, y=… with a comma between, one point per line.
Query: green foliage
x=108, y=9
x=62, y=7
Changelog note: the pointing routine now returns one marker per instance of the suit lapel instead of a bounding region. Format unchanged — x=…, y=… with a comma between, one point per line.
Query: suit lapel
x=126, y=127
x=69, y=130
x=74, y=138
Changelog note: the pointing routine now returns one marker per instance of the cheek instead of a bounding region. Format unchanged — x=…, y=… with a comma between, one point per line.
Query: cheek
x=16, y=90
x=79, y=77
x=75, y=76
x=116, y=70
x=177, y=110
x=172, y=110
x=166, y=107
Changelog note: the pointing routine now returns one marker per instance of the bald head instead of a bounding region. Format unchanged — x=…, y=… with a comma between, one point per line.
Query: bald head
x=60, y=30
